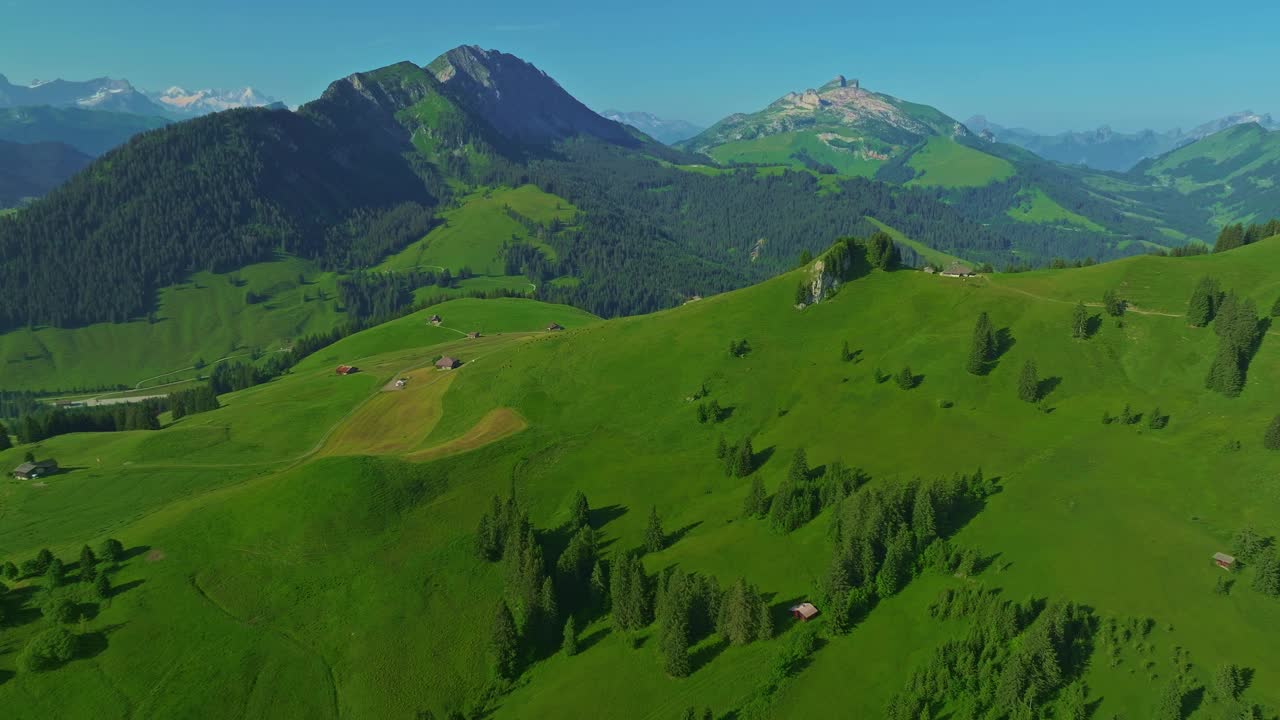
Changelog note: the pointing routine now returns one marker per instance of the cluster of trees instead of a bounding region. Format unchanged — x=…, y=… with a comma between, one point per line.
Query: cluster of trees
x=1113, y=304
x=367, y=295
x=739, y=459
x=47, y=422
x=1205, y=301
x=196, y=400
x=739, y=348
x=1259, y=550
x=1013, y=662
x=1239, y=331
x=711, y=412
x=521, y=258
x=1271, y=438
x=1156, y=419
x=690, y=606
x=1080, y=322
x=802, y=494
x=1239, y=234
x=60, y=597
x=884, y=535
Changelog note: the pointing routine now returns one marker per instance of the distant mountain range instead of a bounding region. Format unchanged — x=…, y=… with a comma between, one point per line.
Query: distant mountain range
x=661, y=129
x=1107, y=149
x=121, y=96
x=92, y=132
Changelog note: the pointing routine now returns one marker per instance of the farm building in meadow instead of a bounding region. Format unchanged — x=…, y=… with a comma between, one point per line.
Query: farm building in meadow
x=804, y=611
x=448, y=363
x=956, y=269
x=1224, y=561
x=435, y=320
x=33, y=470
x=930, y=269
x=554, y=326
x=473, y=335
x=346, y=369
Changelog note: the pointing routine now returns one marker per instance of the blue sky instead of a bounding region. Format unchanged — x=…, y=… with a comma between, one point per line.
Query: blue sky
x=1128, y=64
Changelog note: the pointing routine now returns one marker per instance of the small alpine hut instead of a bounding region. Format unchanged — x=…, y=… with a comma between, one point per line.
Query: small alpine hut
x=434, y=320
x=1224, y=561
x=930, y=269
x=957, y=269
x=346, y=369
x=804, y=611
x=553, y=327
x=473, y=334
x=448, y=363
x=33, y=470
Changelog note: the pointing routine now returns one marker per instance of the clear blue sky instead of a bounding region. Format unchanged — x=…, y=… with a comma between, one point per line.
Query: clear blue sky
x=1050, y=66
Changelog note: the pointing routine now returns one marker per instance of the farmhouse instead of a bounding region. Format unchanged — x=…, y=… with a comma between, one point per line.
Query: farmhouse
x=1224, y=561
x=33, y=470
x=448, y=363
x=434, y=320
x=554, y=326
x=930, y=269
x=957, y=269
x=346, y=369
x=473, y=335
x=803, y=611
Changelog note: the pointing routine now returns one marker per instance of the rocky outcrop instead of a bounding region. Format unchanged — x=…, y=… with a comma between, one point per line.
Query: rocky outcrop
x=827, y=273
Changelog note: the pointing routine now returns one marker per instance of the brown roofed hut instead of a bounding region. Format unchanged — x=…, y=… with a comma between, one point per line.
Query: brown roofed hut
x=554, y=327
x=33, y=470
x=434, y=320
x=957, y=269
x=448, y=363
x=473, y=334
x=1224, y=561
x=804, y=611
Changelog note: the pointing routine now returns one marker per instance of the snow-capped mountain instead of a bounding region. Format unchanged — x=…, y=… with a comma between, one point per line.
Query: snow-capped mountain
x=180, y=101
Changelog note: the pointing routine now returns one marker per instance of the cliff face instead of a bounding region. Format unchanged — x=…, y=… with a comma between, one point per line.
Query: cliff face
x=826, y=274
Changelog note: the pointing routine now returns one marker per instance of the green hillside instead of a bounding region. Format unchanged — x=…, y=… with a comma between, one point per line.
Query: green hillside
x=92, y=132
x=1234, y=173
x=309, y=549
x=946, y=163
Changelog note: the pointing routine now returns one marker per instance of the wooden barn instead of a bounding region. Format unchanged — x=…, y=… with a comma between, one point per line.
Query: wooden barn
x=1224, y=561
x=346, y=369
x=473, y=335
x=33, y=470
x=435, y=320
x=554, y=327
x=959, y=270
x=448, y=363
x=804, y=612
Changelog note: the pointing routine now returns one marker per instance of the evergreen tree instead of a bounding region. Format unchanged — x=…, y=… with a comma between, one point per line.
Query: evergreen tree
x=1112, y=303
x=756, y=501
x=702, y=413
x=740, y=614
x=1275, y=308
x=88, y=564
x=905, y=378
x=896, y=569
x=1229, y=238
x=1029, y=383
x=654, y=537
x=746, y=458
x=503, y=642
x=1266, y=579
x=675, y=646
x=1075, y=702
x=10, y=570
x=802, y=294
x=1126, y=415
x=1203, y=303
x=56, y=574
x=570, y=643
x=549, y=608
x=983, y=347
x=1170, y=707
x=1229, y=682
x=799, y=471
x=722, y=448
x=1271, y=439
x=1079, y=322
x=5, y=442
x=488, y=546
x=598, y=589
x=102, y=586
x=1224, y=374
x=580, y=513
x=43, y=559
x=1156, y=419
x=111, y=551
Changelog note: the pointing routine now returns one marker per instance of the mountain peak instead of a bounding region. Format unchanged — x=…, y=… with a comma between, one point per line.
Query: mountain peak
x=520, y=101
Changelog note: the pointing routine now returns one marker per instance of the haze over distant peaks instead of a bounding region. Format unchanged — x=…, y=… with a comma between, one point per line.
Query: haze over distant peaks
x=121, y=96
x=669, y=131
x=200, y=102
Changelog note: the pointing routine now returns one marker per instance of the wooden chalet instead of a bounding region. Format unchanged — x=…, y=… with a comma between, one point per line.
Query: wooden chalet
x=473, y=335
x=448, y=363
x=804, y=612
x=346, y=369
x=434, y=320
x=1224, y=561
x=554, y=327
x=33, y=470
x=957, y=269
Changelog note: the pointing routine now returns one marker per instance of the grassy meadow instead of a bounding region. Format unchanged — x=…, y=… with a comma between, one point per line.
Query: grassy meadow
x=307, y=549
x=946, y=163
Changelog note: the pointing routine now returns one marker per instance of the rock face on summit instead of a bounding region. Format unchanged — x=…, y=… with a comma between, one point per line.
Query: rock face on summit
x=520, y=101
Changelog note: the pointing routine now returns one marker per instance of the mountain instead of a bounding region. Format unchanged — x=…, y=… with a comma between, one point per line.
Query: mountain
x=28, y=171
x=840, y=125
x=92, y=132
x=663, y=130
x=184, y=103
x=98, y=94
x=523, y=103
x=1107, y=149
x=1235, y=172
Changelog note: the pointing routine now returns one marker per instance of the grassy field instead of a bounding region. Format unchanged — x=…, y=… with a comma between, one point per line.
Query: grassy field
x=473, y=234
x=306, y=550
x=206, y=318
x=1037, y=207
x=778, y=149
x=946, y=163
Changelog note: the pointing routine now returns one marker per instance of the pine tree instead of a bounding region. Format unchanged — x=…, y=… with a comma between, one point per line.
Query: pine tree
x=983, y=348
x=1229, y=682
x=1275, y=308
x=1126, y=415
x=598, y=589
x=5, y=442
x=88, y=564
x=503, y=642
x=905, y=378
x=56, y=574
x=654, y=537
x=1079, y=322
x=1229, y=238
x=746, y=458
x=1224, y=374
x=756, y=501
x=102, y=587
x=1112, y=303
x=1271, y=440
x=549, y=608
x=896, y=569
x=111, y=551
x=1203, y=303
x=1266, y=579
x=1029, y=383
x=570, y=643
x=802, y=294
x=580, y=512
x=675, y=646
x=702, y=413
x=722, y=448
x=1171, y=701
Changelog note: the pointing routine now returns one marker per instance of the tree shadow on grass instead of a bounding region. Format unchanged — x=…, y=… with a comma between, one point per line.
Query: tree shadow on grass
x=126, y=587
x=1192, y=700
x=1004, y=343
x=91, y=645
x=18, y=610
x=134, y=552
x=1092, y=325
x=678, y=535
x=589, y=641
x=780, y=612
x=706, y=653
x=5, y=675
x=1047, y=386
x=761, y=457
x=599, y=517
